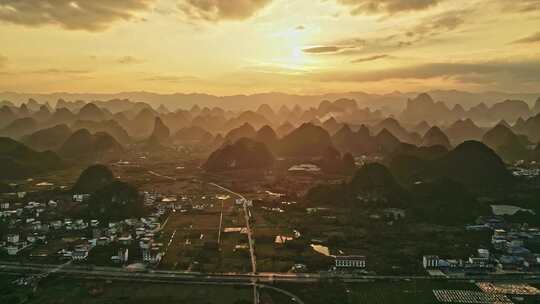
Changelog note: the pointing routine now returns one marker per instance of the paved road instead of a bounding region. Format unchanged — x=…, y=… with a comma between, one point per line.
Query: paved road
x=283, y=291
x=263, y=277
x=248, y=227
x=119, y=274
x=250, y=239
x=161, y=175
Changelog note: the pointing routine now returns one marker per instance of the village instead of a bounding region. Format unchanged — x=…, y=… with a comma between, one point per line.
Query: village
x=213, y=224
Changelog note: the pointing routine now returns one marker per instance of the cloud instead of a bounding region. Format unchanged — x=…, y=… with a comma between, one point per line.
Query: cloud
x=324, y=49
x=480, y=72
x=370, y=58
x=171, y=79
x=364, y=7
x=521, y=6
x=87, y=15
x=216, y=10
x=534, y=38
x=129, y=60
x=422, y=30
x=441, y=23
x=60, y=72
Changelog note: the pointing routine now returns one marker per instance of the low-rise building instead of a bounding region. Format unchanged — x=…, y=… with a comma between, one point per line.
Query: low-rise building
x=350, y=261
x=13, y=238
x=430, y=261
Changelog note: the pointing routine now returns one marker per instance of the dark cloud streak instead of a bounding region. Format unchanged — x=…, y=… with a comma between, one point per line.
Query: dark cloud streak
x=480, y=72
x=366, y=7
x=370, y=58
x=534, y=38
x=327, y=49
x=87, y=15
x=217, y=10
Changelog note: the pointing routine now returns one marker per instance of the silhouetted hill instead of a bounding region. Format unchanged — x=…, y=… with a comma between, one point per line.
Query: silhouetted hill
x=535, y=154
x=421, y=128
x=439, y=112
x=358, y=143
x=435, y=137
x=284, y=129
x=92, y=179
x=115, y=201
x=386, y=142
x=247, y=117
x=47, y=139
x=268, y=112
x=245, y=153
x=529, y=128
x=142, y=124
x=84, y=145
x=305, y=141
x=394, y=127
x=331, y=161
x=42, y=115
x=509, y=110
x=111, y=127
x=268, y=136
x=446, y=202
x=19, y=128
x=161, y=132
x=536, y=107
x=473, y=164
x=331, y=125
x=192, y=135
x=23, y=111
x=176, y=120
x=6, y=116
x=424, y=107
x=408, y=168
x=507, y=144
x=374, y=181
x=18, y=161
x=91, y=112
x=463, y=130
x=244, y=131
x=61, y=116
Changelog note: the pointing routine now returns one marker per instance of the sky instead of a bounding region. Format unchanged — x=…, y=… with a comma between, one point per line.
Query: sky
x=227, y=47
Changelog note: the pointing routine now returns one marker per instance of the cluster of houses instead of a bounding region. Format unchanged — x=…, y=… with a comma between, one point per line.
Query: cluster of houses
x=482, y=262
x=34, y=223
x=141, y=232
x=509, y=243
x=527, y=170
x=27, y=218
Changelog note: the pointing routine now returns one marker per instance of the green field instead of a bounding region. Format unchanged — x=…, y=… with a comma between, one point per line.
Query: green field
x=66, y=290
x=60, y=290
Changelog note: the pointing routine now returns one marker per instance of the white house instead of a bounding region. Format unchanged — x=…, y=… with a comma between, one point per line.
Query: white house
x=79, y=198
x=13, y=238
x=152, y=255
x=430, y=261
x=350, y=261
x=12, y=250
x=483, y=253
x=80, y=254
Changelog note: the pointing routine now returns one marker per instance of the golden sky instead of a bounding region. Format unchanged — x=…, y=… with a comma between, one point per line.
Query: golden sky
x=229, y=47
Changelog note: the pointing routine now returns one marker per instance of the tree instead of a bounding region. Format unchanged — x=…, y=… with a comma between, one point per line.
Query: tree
x=349, y=165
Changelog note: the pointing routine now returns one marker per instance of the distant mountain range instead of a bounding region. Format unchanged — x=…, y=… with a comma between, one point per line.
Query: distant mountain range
x=393, y=102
